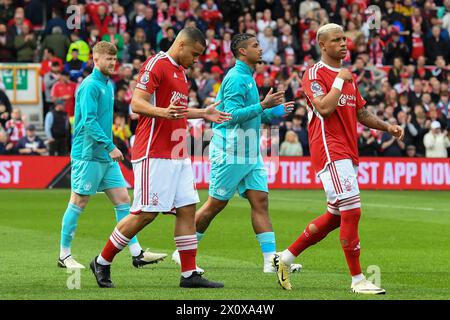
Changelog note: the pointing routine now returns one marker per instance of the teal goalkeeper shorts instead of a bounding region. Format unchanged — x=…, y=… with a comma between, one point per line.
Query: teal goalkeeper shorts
x=89, y=177
x=226, y=179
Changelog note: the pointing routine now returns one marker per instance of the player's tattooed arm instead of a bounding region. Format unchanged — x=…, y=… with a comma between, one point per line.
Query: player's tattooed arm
x=372, y=121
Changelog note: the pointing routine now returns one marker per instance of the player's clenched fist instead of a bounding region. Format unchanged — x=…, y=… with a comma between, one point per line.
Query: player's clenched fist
x=396, y=131
x=345, y=75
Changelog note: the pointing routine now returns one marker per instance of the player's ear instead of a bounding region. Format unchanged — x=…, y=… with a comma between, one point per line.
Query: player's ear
x=181, y=44
x=322, y=45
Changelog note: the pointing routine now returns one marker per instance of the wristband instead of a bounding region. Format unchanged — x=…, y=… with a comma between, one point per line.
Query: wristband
x=278, y=111
x=338, y=83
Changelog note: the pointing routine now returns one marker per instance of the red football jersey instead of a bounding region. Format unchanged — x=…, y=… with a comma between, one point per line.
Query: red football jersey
x=166, y=81
x=333, y=138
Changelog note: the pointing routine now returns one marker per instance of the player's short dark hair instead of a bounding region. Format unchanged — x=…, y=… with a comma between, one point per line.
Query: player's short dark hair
x=240, y=41
x=194, y=35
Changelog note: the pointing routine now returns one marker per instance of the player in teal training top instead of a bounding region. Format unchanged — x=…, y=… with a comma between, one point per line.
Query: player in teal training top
x=236, y=162
x=94, y=157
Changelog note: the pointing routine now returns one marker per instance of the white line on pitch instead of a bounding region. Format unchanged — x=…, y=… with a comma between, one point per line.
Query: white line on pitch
x=364, y=204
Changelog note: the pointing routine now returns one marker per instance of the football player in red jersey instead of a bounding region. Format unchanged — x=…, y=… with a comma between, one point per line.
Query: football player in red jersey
x=334, y=106
x=163, y=175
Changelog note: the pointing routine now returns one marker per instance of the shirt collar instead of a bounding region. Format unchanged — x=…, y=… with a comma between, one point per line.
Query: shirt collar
x=330, y=67
x=99, y=75
x=170, y=58
x=244, y=67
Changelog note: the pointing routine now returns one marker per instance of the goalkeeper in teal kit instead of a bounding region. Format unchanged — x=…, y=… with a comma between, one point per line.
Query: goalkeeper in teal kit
x=236, y=162
x=94, y=157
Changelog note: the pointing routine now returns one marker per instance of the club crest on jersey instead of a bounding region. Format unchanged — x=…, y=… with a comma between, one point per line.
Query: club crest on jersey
x=155, y=199
x=145, y=78
x=316, y=89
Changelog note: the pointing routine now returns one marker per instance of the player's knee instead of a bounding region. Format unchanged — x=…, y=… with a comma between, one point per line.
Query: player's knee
x=146, y=218
x=312, y=228
x=79, y=200
x=124, y=198
x=216, y=206
x=261, y=205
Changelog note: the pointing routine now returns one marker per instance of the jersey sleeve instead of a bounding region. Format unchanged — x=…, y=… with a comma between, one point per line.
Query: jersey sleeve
x=269, y=114
x=313, y=87
x=149, y=77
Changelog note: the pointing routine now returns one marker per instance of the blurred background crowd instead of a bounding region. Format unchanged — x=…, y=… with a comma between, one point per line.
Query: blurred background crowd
x=401, y=62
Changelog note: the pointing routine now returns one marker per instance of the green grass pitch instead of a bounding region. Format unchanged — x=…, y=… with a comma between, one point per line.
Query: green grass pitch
x=403, y=233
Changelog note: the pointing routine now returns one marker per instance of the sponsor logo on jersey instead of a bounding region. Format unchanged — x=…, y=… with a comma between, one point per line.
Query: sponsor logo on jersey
x=177, y=96
x=348, y=100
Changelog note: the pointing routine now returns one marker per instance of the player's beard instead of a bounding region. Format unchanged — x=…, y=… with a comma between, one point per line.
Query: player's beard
x=107, y=71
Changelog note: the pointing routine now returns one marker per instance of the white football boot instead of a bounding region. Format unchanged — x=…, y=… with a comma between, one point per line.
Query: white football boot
x=366, y=287
x=70, y=263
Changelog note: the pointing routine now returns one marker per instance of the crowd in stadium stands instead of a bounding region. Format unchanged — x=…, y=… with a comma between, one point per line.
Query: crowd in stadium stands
x=402, y=63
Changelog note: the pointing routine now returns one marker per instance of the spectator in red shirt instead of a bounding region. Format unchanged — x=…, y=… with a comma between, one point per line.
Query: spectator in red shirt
x=119, y=19
x=65, y=89
x=260, y=74
x=19, y=20
x=376, y=47
x=15, y=128
x=101, y=20
x=417, y=43
x=213, y=60
x=212, y=45
x=421, y=71
x=47, y=59
x=211, y=13
x=226, y=56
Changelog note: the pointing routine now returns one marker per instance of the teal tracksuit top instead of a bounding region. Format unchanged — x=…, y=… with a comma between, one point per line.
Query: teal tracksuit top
x=238, y=139
x=94, y=105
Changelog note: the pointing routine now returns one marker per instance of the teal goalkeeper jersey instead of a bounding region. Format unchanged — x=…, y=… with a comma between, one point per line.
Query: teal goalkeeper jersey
x=94, y=103
x=238, y=139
